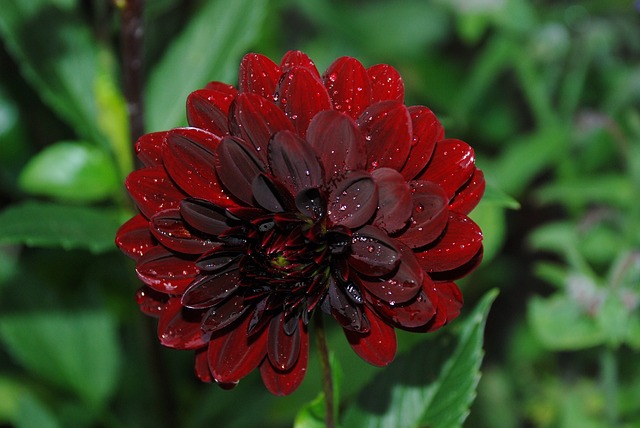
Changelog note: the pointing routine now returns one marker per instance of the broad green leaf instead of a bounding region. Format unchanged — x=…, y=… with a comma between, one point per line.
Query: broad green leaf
x=33, y=413
x=10, y=393
x=208, y=49
x=71, y=171
x=76, y=351
x=43, y=224
x=432, y=385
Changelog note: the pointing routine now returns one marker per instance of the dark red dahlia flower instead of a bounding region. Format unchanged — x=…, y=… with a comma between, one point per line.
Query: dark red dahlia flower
x=293, y=194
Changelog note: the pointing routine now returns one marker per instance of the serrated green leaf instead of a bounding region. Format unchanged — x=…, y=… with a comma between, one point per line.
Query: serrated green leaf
x=71, y=171
x=432, y=385
x=77, y=351
x=208, y=49
x=43, y=224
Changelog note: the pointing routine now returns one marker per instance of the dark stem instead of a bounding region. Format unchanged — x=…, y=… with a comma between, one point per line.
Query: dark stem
x=327, y=380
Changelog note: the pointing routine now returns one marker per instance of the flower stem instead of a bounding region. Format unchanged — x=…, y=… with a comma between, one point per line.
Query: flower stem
x=327, y=380
x=609, y=379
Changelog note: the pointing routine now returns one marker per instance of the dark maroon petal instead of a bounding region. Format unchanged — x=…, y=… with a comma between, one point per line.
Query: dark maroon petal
x=298, y=59
x=211, y=289
x=311, y=203
x=166, y=272
x=448, y=300
x=224, y=314
x=204, y=216
x=208, y=109
x=269, y=194
x=283, y=349
x=294, y=163
x=180, y=328
x=170, y=230
x=451, y=166
x=379, y=345
x=427, y=131
x=256, y=120
x=429, y=214
x=151, y=302
x=394, y=200
x=411, y=315
x=338, y=142
x=387, y=130
x=201, y=366
x=348, y=85
x=238, y=165
x=284, y=382
x=301, y=95
x=348, y=314
x=353, y=200
x=386, y=83
x=373, y=253
x=468, y=197
x=134, y=237
x=458, y=245
x=218, y=258
x=152, y=190
x=258, y=75
x=149, y=148
x=233, y=355
x=403, y=284
x=460, y=271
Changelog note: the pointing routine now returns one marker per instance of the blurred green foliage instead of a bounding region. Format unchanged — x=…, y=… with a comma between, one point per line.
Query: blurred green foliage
x=547, y=92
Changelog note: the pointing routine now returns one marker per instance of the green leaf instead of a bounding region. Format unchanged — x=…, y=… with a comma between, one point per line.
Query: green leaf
x=432, y=385
x=71, y=171
x=312, y=415
x=76, y=351
x=32, y=413
x=43, y=224
x=209, y=48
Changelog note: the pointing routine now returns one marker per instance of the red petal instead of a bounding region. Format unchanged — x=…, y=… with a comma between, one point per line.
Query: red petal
x=152, y=190
x=337, y=140
x=386, y=83
x=171, y=231
x=294, y=162
x=208, y=109
x=134, y=237
x=204, y=216
x=379, y=345
x=458, y=245
x=343, y=309
x=354, y=200
x=430, y=214
x=348, y=86
x=151, y=302
x=210, y=290
x=427, y=131
x=298, y=59
x=451, y=166
x=301, y=95
x=166, y=272
x=238, y=165
x=180, y=328
x=460, y=271
x=469, y=196
x=448, y=299
x=283, y=349
x=224, y=314
x=387, y=129
x=281, y=382
x=258, y=75
x=373, y=253
x=201, y=366
x=233, y=355
x=149, y=148
x=394, y=200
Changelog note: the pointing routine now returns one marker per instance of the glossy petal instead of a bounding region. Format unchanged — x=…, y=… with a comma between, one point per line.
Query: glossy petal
x=449, y=302
x=149, y=148
x=238, y=165
x=348, y=314
x=204, y=216
x=208, y=109
x=353, y=201
x=429, y=214
x=451, y=166
x=170, y=230
x=373, y=253
x=470, y=194
x=387, y=130
x=460, y=271
x=411, y=315
x=458, y=245
x=151, y=302
x=201, y=366
x=395, y=203
x=294, y=163
x=386, y=83
x=211, y=289
x=224, y=314
x=283, y=349
x=152, y=190
x=427, y=131
x=347, y=83
x=134, y=238
x=166, y=272
x=256, y=120
x=338, y=142
x=258, y=75
x=379, y=345
x=281, y=382
x=301, y=95
x=180, y=328
x=294, y=59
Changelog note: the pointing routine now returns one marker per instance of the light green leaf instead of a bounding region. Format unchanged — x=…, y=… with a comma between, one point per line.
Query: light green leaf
x=42, y=224
x=71, y=171
x=76, y=351
x=208, y=49
x=432, y=385
x=32, y=413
